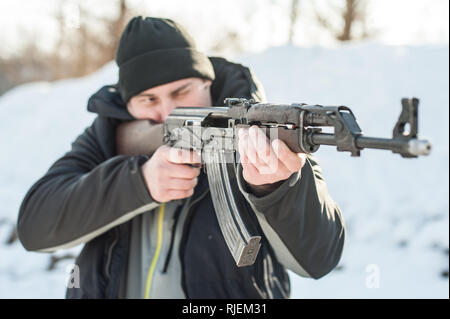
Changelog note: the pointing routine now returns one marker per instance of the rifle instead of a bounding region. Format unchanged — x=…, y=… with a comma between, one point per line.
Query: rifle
x=213, y=131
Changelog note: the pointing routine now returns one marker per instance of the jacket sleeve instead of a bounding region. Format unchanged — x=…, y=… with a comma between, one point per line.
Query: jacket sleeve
x=81, y=196
x=302, y=223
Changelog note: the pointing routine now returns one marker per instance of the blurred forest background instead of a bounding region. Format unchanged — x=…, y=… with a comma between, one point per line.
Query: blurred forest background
x=51, y=40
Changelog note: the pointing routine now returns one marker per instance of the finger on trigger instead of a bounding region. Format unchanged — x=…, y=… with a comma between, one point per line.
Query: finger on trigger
x=182, y=171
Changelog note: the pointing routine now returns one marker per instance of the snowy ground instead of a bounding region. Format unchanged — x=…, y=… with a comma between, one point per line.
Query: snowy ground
x=396, y=210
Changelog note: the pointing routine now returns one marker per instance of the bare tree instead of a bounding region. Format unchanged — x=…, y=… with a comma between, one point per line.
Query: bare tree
x=350, y=14
x=231, y=41
x=79, y=50
x=30, y=65
x=116, y=26
x=294, y=17
x=97, y=46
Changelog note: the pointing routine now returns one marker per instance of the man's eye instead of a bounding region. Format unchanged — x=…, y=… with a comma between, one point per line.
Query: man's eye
x=147, y=100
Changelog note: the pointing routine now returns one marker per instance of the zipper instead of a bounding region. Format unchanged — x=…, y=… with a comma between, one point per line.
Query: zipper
x=108, y=260
x=157, y=251
x=176, y=217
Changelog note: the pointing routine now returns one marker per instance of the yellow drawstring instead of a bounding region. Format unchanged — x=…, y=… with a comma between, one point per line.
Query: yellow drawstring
x=158, y=249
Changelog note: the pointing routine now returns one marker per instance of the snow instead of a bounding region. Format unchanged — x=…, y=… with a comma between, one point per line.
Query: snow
x=395, y=209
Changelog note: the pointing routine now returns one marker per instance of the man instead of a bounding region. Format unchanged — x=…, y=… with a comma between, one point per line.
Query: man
x=148, y=223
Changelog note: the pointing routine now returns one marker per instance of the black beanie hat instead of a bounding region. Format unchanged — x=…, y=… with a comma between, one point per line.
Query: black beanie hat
x=155, y=51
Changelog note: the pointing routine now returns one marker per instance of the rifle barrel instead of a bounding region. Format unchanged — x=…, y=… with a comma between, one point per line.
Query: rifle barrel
x=413, y=146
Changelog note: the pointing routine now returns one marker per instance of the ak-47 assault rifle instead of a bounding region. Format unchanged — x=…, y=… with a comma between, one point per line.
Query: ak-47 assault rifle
x=213, y=131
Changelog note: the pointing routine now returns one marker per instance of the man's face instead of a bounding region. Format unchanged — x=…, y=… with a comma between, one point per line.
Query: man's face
x=158, y=102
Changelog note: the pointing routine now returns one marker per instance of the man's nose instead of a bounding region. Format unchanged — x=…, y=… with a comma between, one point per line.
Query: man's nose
x=167, y=109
